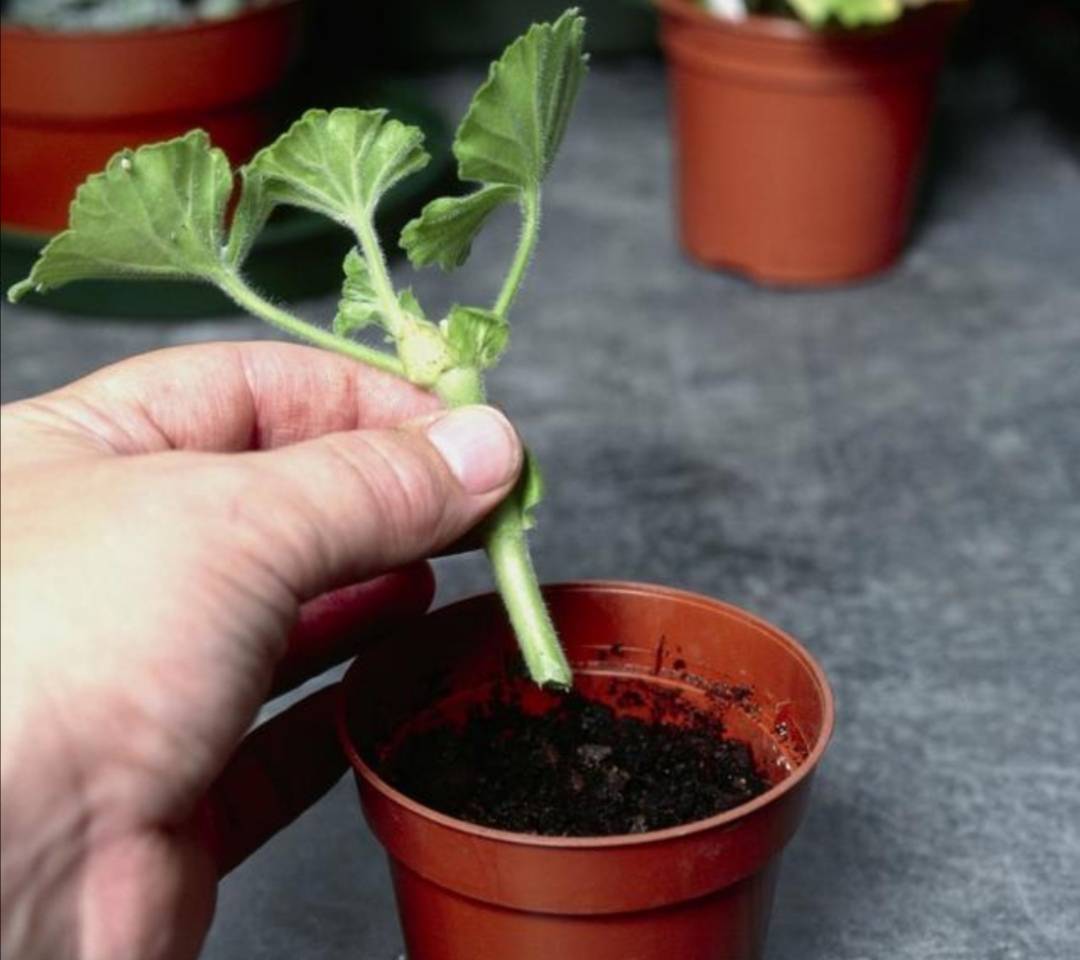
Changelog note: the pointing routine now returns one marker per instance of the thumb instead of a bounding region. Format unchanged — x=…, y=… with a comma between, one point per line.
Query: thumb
x=348, y=506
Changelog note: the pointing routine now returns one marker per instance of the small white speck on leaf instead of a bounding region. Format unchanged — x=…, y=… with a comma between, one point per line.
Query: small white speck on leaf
x=125, y=164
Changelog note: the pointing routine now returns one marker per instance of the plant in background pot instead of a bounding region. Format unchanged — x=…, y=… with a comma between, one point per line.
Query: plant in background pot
x=800, y=126
x=625, y=792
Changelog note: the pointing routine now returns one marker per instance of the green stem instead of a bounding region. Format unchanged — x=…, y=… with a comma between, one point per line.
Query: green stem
x=380, y=275
x=242, y=294
x=530, y=230
x=508, y=551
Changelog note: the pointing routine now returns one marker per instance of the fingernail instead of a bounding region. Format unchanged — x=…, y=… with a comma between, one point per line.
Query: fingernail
x=479, y=446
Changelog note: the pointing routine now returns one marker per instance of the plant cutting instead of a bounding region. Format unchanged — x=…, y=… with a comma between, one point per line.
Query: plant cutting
x=630, y=791
x=800, y=128
x=159, y=212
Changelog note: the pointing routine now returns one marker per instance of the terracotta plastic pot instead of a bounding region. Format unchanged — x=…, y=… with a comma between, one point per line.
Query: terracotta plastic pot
x=69, y=101
x=702, y=891
x=798, y=151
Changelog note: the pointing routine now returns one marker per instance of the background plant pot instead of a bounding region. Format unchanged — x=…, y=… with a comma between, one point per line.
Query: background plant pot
x=798, y=151
x=71, y=100
x=701, y=891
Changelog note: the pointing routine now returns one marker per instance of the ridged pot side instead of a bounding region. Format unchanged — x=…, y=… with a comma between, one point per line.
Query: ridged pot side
x=700, y=891
x=798, y=152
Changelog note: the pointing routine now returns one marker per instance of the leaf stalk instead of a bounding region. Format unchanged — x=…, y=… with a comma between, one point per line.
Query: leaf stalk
x=530, y=231
x=240, y=293
x=364, y=228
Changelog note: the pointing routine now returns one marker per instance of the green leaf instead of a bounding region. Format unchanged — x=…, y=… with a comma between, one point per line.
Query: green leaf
x=410, y=304
x=851, y=13
x=357, y=284
x=352, y=317
x=339, y=163
x=507, y=142
x=446, y=228
x=154, y=212
x=530, y=490
x=517, y=119
x=252, y=212
x=359, y=305
x=477, y=337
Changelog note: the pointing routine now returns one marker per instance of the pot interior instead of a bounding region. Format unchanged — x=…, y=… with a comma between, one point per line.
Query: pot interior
x=677, y=655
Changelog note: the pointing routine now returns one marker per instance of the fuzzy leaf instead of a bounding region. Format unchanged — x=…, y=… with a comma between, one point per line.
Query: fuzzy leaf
x=516, y=121
x=508, y=139
x=410, y=304
x=850, y=13
x=339, y=163
x=359, y=306
x=351, y=317
x=153, y=212
x=252, y=212
x=445, y=230
x=477, y=337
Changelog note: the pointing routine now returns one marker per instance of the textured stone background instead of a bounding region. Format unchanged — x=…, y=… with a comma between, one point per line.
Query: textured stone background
x=891, y=472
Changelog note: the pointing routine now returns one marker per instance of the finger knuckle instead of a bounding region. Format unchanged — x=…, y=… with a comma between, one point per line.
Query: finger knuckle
x=398, y=485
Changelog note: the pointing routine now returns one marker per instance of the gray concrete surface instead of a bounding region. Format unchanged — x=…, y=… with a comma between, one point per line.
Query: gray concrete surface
x=891, y=472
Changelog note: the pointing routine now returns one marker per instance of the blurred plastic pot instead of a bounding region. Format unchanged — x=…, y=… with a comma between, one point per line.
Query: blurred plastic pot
x=798, y=149
x=71, y=100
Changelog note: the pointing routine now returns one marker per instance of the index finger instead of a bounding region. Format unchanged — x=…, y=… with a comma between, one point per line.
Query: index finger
x=226, y=397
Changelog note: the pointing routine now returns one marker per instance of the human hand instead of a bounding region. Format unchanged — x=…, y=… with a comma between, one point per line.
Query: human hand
x=185, y=534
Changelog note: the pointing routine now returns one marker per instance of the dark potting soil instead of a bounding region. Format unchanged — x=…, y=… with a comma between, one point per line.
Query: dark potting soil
x=578, y=769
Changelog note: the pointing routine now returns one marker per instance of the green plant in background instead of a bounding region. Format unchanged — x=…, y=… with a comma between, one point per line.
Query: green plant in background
x=850, y=13
x=109, y=15
x=819, y=13
x=160, y=212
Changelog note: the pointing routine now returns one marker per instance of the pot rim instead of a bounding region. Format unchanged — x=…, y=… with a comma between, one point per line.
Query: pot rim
x=17, y=32
x=728, y=817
